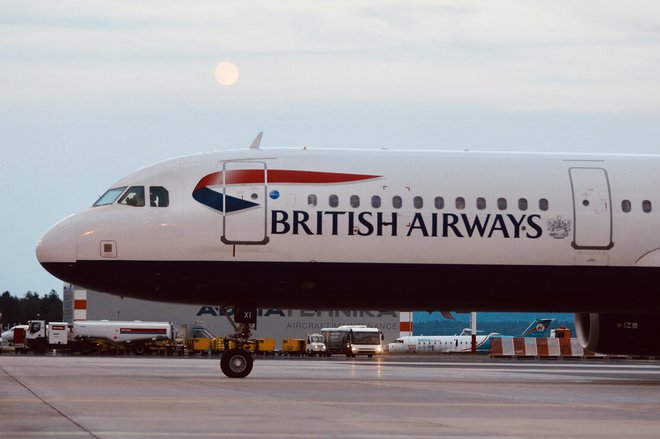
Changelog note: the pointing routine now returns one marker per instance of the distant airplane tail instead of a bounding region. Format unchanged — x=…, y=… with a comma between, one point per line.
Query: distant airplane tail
x=538, y=328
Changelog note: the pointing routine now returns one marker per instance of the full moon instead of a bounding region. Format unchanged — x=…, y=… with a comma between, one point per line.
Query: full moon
x=226, y=73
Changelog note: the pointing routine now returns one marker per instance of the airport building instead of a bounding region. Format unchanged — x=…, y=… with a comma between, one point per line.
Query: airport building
x=279, y=324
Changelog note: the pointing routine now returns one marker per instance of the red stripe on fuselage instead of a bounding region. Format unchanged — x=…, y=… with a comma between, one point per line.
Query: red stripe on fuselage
x=248, y=176
x=142, y=331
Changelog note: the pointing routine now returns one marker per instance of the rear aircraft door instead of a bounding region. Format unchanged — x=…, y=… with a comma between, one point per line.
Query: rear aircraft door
x=244, y=201
x=592, y=209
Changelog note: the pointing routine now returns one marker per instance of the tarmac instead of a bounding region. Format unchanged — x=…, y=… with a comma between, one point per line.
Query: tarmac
x=388, y=397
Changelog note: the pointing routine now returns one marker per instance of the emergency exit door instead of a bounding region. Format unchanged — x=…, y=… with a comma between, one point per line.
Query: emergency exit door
x=592, y=209
x=245, y=202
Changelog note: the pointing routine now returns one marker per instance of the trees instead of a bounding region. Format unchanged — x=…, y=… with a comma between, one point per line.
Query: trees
x=19, y=310
x=10, y=307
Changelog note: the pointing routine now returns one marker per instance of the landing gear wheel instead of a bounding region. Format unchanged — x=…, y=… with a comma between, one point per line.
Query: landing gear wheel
x=236, y=363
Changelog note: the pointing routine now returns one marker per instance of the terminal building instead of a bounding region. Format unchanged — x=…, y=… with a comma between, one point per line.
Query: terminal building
x=279, y=324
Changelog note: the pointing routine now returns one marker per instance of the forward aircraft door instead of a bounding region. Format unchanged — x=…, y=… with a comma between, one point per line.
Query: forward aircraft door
x=592, y=209
x=244, y=199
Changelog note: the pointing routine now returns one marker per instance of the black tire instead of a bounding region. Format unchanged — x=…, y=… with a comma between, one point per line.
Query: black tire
x=139, y=349
x=236, y=363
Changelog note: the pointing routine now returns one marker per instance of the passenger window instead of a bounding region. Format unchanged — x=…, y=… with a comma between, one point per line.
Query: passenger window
x=501, y=203
x=626, y=206
x=460, y=203
x=418, y=202
x=543, y=204
x=646, y=206
x=159, y=196
x=481, y=203
x=311, y=200
x=355, y=201
x=134, y=196
x=522, y=204
x=439, y=203
x=375, y=201
x=333, y=200
x=397, y=202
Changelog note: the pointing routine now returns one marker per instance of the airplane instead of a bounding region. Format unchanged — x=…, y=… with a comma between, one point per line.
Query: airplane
x=380, y=229
x=7, y=337
x=444, y=344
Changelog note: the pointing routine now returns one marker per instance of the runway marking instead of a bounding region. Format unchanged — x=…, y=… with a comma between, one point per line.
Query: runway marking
x=158, y=434
x=48, y=404
x=177, y=401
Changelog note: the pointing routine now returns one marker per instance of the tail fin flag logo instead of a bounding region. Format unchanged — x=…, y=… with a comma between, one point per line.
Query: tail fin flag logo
x=538, y=328
x=218, y=200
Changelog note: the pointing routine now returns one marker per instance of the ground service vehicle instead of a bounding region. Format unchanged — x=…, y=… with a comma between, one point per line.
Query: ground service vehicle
x=315, y=345
x=89, y=336
x=403, y=230
x=353, y=340
x=293, y=346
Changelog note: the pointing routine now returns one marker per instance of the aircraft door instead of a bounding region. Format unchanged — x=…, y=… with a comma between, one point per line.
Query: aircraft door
x=244, y=199
x=592, y=209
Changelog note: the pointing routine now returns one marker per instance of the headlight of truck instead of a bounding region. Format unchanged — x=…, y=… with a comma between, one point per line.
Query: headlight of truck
x=355, y=350
x=379, y=349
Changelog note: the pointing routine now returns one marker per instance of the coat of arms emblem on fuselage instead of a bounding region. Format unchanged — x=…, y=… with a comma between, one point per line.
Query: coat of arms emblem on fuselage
x=559, y=227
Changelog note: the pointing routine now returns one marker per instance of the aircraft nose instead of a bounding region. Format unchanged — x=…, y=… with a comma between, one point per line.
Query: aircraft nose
x=58, y=244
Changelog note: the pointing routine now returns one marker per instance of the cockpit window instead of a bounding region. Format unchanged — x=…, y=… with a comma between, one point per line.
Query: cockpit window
x=109, y=197
x=159, y=196
x=134, y=196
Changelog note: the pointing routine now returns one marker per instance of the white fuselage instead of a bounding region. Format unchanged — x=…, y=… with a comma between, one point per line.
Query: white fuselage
x=438, y=344
x=375, y=228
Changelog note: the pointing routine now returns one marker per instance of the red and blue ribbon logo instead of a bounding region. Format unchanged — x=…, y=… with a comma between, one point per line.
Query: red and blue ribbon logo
x=216, y=200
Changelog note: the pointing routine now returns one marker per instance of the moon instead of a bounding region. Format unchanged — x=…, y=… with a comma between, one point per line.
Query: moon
x=226, y=73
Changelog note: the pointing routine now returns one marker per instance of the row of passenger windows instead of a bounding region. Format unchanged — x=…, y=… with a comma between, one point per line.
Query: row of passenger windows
x=418, y=202
x=134, y=196
x=459, y=203
x=626, y=206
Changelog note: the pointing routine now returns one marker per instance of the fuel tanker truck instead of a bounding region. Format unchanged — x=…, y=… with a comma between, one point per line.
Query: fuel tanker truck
x=100, y=336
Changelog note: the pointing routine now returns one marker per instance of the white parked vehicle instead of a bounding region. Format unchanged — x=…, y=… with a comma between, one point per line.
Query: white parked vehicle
x=315, y=345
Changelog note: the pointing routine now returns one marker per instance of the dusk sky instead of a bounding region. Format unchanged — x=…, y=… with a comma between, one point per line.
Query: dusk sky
x=91, y=91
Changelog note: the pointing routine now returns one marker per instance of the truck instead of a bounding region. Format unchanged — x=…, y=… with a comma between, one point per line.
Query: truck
x=315, y=345
x=101, y=336
x=353, y=340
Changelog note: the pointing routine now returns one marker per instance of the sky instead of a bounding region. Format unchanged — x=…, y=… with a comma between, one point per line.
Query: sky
x=90, y=91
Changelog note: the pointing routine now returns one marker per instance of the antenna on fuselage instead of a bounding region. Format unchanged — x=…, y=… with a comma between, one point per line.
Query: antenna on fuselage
x=257, y=141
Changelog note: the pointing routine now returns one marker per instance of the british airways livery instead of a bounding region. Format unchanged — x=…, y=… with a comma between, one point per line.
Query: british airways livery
x=382, y=229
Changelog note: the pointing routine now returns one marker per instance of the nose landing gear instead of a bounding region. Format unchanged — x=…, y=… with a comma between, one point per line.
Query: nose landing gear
x=237, y=362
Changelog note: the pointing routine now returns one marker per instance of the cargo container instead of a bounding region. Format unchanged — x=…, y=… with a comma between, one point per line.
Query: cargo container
x=293, y=346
